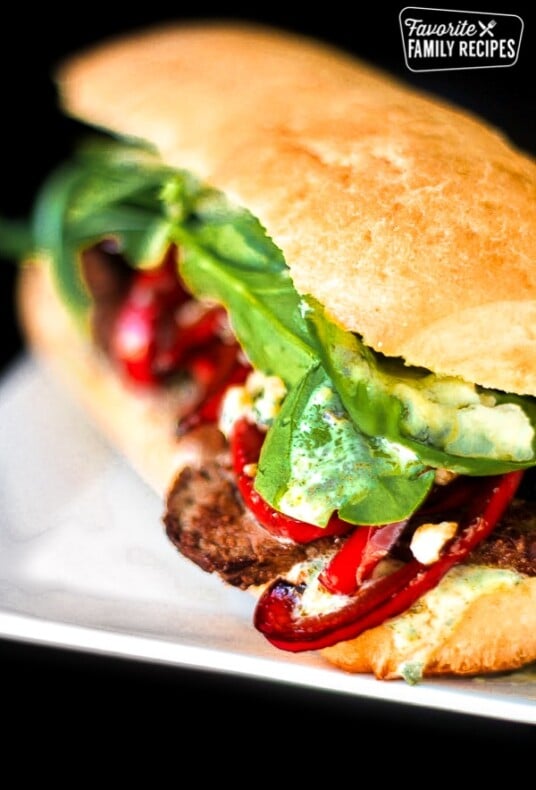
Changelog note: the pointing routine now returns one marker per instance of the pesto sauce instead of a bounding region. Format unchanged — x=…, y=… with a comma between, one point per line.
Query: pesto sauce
x=326, y=438
x=453, y=415
x=333, y=464
x=426, y=625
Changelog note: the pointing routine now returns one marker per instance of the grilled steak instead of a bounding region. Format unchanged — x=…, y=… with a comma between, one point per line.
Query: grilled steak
x=107, y=277
x=207, y=521
x=513, y=543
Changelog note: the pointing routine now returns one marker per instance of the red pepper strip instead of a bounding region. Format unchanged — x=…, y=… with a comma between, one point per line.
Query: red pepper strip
x=162, y=283
x=171, y=354
x=209, y=411
x=145, y=326
x=358, y=557
x=450, y=497
x=275, y=614
x=379, y=544
x=217, y=384
x=246, y=441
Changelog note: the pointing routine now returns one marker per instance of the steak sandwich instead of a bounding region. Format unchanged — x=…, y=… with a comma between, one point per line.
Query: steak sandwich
x=300, y=298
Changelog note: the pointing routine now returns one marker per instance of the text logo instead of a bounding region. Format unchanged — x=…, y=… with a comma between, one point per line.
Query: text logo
x=436, y=39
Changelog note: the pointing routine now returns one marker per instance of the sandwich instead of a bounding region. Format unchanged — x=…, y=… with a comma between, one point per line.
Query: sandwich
x=299, y=297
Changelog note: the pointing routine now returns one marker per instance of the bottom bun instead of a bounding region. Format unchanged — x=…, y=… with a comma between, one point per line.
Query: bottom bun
x=488, y=632
x=478, y=620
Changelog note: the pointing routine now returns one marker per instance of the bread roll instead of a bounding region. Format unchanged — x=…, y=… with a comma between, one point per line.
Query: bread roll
x=404, y=216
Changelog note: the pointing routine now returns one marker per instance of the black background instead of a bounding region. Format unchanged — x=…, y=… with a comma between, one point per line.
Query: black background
x=96, y=702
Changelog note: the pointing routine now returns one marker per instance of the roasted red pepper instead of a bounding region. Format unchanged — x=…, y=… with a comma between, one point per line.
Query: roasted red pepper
x=145, y=331
x=188, y=338
x=362, y=551
x=150, y=341
x=358, y=557
x=216, y=369
x=277, y=617
x=450, y=498
x=246, y=441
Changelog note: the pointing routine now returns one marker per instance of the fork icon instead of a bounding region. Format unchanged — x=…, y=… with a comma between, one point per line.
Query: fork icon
x=487, y=28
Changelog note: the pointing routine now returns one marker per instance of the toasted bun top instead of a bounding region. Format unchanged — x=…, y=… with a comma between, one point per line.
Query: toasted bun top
x=411, y=221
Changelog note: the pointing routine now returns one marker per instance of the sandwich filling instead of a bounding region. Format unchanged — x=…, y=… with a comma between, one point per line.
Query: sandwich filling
x=379, y=476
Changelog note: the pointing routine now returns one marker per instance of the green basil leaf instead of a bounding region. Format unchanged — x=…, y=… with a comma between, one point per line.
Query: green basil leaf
x=116, y=176
x=234, y=234
x=263, y=305
x=447, y=422
x=314, y=462
x=51, y=232
x=226, y=255
x=106, y=191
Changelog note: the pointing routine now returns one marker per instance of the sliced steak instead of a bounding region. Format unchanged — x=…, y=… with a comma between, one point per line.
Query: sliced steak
x=512, y=544
x=207, y=521
x=107, y=277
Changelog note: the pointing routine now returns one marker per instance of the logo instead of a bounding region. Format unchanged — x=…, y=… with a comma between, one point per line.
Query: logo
x=437, y=39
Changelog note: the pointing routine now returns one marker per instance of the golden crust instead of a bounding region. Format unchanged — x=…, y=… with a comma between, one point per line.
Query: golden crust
x=497, y=632
x=411, y=221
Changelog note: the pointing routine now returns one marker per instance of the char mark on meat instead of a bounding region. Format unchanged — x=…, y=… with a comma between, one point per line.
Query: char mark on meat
x=512, y=545
x=207, y=521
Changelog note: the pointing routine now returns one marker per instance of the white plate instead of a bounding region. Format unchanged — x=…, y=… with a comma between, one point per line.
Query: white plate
x=85, y=563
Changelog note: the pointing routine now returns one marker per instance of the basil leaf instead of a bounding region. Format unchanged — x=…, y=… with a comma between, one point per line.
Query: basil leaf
x=116, y=175
x=226, y=255
x=447, y=422
x=142, y=236
x=263, y=305
x=106, y=191
x=54, y=238
x=315, y=462
x=234, y=234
